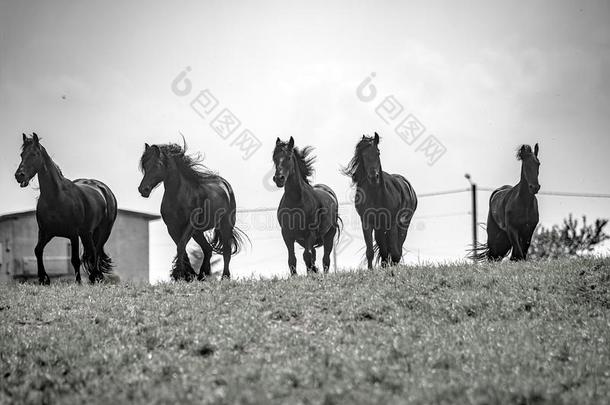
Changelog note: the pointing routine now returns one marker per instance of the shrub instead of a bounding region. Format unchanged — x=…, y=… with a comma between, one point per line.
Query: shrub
x=569, y=239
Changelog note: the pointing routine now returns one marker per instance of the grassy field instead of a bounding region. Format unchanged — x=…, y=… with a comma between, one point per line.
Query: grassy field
x=501, y=333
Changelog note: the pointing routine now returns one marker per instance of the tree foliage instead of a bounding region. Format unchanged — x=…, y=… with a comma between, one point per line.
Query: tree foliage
x=569, y=239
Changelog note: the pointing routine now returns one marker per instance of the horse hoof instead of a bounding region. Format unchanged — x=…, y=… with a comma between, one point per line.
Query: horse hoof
x=44, y=281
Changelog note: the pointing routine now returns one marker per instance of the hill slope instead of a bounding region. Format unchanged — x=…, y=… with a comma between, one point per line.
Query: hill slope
x=499, y=333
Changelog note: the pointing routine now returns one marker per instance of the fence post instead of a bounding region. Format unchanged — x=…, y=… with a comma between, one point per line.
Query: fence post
x=474, y=215
x=473, y=196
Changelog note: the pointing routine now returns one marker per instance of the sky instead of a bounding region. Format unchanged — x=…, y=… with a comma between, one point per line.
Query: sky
x=94, y=80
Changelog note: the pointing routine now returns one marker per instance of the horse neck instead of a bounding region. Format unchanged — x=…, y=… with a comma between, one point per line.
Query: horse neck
x=375, y=192
x=174, y=181
x=295, y=183
x=523, y=186
x=49, y=177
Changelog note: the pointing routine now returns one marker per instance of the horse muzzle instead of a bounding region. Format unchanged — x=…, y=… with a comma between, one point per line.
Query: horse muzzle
x=22, y=179
x=144, y=191
x=534, y=188
x=374, y=178
x=279, y=181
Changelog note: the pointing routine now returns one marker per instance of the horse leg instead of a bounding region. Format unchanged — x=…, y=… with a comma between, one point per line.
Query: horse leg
x=402, y=237
x=205, y=270
x=499, y=248
x=313, y=260
x=395, y=246
x=309, y=264
x=329, y=240
x=75, y=259
x=526, y=243
x=90, y=257
x=515, y=241
x=368, y=240
x=403, y=229
x=182, y=268
x=292, y=259
x=308, y=256
x=380, y=238
x=226, y=233
x=43, y=240
x=100, y=237
x=498, y=243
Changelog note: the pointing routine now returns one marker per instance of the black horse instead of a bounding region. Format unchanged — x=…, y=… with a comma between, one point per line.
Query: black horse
x=308, y=215
x=195, y=201
x=82, y=208
x=513, y=213
x=385, y=202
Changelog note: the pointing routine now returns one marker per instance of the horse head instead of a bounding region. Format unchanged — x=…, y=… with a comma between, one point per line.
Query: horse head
x=283, y=160
x=530, y=167
x=32, y=160
x=152, y=165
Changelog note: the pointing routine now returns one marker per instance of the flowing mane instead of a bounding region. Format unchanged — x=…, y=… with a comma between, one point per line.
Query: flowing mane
x=303, y=156
x=189, y=166
x=354, y=168
x=524, y=151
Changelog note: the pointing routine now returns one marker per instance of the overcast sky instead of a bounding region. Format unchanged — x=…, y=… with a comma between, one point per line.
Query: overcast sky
x=94, y=80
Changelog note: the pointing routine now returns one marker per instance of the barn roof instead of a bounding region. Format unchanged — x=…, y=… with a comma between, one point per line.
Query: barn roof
x=143, y=215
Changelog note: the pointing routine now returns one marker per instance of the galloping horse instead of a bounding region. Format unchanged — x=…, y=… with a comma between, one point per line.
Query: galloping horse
x=385, y=202
x=513, y=213
x=307, y=214
x=195, y=201
x=82, y=208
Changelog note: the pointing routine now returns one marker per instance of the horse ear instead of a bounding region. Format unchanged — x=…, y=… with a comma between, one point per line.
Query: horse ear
x=376, y=139
x=25, y=138
x=35, y=137
x=278, y=141
x=536, y=148
x=146, y=146
x=291, y=143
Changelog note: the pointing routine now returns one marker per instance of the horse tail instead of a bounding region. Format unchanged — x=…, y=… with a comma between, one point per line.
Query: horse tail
x=102, y=265
x=238, y=237
x=89, y=265
x=101, y=235
x=238, y=240
x=105, y=263
x=339, y=227
x=478, y=253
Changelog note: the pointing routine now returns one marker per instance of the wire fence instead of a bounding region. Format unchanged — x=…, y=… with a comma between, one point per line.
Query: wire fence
x=441, y=229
